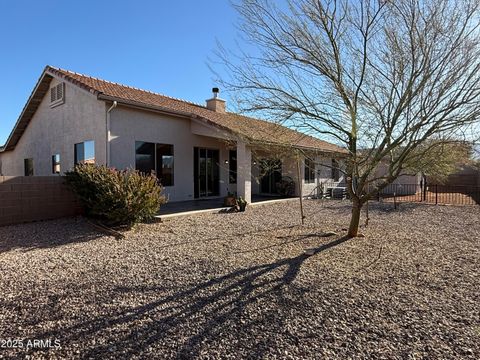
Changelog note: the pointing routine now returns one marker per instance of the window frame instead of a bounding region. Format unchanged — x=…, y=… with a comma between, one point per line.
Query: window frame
x=160, y=173
x=84, y=159
x=309, y=171
x=158, y=162
x=28, y=170
x=152, y=153
x=56, y=163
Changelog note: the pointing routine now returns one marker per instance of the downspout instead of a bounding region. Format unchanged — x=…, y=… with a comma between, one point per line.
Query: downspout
x=114, y=105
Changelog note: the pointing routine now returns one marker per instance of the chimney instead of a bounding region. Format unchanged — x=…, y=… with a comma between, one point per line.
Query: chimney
x=215, y=103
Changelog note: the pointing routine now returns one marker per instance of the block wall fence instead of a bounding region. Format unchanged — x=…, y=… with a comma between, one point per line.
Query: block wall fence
x=35, y=198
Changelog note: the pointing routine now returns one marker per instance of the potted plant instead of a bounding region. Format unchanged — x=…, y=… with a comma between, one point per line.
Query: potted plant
x=229, y=200
x=242, y=204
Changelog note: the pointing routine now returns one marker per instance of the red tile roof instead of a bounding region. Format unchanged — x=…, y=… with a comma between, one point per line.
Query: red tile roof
x=254, y=130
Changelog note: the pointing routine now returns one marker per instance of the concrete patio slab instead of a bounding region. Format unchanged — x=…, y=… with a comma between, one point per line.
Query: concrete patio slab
x=195, y=207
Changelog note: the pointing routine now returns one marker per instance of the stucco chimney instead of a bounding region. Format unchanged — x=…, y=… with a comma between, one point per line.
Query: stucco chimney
x=215, y=103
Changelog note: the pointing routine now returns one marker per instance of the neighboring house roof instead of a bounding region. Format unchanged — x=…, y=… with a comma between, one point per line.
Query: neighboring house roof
x=253, y=130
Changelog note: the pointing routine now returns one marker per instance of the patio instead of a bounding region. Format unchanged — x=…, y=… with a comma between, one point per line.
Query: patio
x=207, y=204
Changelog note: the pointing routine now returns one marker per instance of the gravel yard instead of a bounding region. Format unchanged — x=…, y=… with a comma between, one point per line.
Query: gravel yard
x=239, y=286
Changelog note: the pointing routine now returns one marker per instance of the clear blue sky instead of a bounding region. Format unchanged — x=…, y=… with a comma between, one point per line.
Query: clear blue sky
x=161, y=46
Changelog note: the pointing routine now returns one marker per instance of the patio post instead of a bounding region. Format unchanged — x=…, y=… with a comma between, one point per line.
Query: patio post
x=244, y=171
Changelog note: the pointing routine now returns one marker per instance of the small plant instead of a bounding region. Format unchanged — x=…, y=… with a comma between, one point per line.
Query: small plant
x=230, y=199
x=118, y=198
x=242, y=204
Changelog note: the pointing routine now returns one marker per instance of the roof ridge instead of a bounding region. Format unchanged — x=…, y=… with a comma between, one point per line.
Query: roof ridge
x=127, y=86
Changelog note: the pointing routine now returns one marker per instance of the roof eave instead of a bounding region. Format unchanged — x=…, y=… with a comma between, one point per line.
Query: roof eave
x=33, y=102
x=296, y=146
x=140, y=105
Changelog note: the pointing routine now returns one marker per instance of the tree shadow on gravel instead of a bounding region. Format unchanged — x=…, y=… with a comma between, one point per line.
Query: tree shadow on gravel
x=292, y=239
x=225, y=236
x=197, y=319
x=46, y=234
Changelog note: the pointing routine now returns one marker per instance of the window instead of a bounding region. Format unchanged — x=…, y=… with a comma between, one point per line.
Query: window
x=28, y=164
x=335, y=170
x=56, y=164
x=232, y=165
x=144, y=157
x=57, y=95
x=309, y=171
x=165, y=164
x=158, y=158
x=84, y=152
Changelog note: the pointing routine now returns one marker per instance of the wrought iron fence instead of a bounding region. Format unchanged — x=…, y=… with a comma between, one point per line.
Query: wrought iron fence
x=430, y=194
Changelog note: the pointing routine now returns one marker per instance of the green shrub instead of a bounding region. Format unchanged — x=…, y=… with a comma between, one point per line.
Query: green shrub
x=118, y=198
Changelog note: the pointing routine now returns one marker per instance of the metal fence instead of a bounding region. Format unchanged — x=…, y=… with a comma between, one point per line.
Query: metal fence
x=431, y=194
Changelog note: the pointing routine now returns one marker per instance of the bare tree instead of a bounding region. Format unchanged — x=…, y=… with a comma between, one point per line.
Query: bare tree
x=382, y=78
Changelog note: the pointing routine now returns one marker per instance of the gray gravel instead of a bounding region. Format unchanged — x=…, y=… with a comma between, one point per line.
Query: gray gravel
x=240, y=286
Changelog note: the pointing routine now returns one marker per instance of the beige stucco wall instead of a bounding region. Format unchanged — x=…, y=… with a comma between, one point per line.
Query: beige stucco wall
x=56, y=130
x=129, y=125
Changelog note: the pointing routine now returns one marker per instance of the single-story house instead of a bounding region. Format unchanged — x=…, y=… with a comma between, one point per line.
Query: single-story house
x=197, y=151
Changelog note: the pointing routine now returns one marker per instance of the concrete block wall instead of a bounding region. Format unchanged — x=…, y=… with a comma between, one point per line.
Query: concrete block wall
x=35, y=198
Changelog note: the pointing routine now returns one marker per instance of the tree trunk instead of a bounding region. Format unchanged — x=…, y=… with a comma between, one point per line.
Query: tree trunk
x=355, y=219
x=300, y=191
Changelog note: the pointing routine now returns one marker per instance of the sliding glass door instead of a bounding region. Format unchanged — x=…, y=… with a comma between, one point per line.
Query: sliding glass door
x=206, y=172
